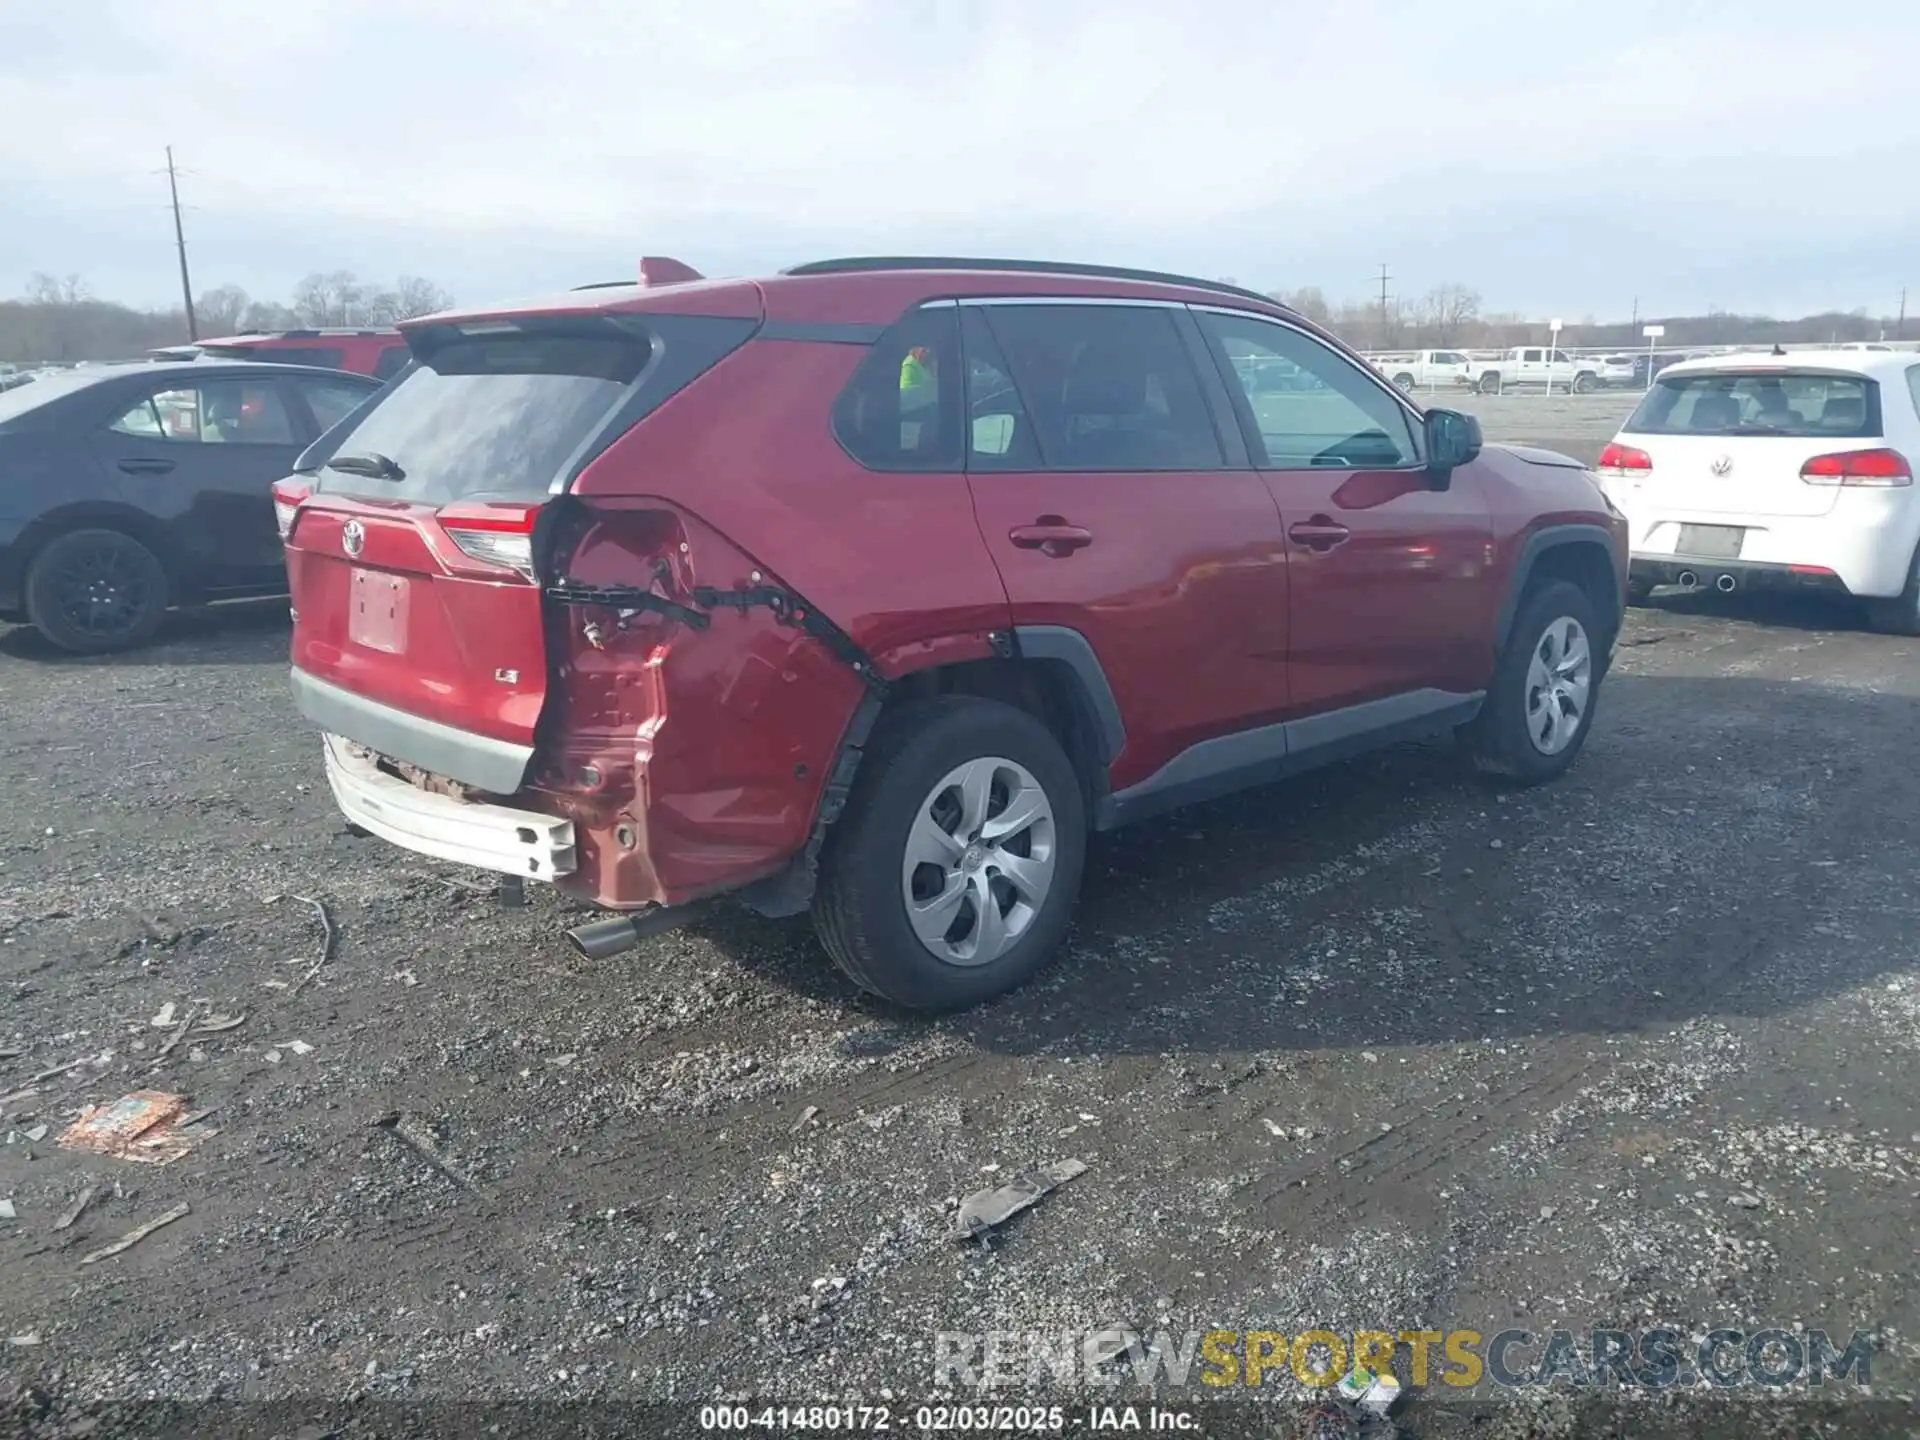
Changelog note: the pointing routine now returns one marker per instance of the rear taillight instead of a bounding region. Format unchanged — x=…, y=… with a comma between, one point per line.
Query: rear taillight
x=1878, y=469
x=1618, y=459
x=288, y=496
x=495, y=534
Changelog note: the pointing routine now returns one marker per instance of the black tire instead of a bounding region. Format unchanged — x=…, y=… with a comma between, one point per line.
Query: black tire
x=1584, y=383
x=1404, y=381
x=91, y=592
x=860, y=908
x=1490, y=383
x=1901, y=614
x=1498, y=737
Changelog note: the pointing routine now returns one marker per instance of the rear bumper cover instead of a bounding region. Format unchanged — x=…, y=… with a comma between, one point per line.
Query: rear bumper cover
x=496, y=766
x=466, y=832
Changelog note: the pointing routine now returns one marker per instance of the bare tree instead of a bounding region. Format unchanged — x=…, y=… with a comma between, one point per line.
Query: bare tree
x=269, y=315
x=421, y=297
x=222, y=309
x=1448, y=310
x=45, y=289
x=334, y=298
x=1308, y=301
x=412, y=297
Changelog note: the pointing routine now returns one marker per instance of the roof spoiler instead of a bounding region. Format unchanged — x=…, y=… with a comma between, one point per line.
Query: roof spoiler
x=658, y=270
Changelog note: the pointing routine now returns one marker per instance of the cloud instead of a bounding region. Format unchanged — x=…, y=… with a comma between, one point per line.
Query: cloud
x=1271, y=141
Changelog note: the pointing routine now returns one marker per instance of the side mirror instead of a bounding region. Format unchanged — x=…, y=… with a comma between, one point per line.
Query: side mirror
x=1453, y=440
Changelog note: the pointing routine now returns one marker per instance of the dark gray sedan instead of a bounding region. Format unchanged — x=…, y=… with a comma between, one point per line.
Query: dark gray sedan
x=128, y=489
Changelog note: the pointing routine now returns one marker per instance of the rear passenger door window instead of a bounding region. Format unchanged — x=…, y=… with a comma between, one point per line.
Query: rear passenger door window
x=215, y=412
x=1332, y=414
x=1107, y=387
x=902, y=408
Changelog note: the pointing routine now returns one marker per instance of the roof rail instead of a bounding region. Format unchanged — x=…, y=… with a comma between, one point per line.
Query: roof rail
x=868, y=263
x=606, y=285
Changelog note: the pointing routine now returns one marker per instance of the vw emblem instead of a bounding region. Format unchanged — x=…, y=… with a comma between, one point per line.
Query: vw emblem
x=353, y=537
x=1722, y=465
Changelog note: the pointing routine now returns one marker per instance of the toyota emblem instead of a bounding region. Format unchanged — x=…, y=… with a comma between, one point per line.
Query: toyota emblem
x=1722, y=465
x=353, y=537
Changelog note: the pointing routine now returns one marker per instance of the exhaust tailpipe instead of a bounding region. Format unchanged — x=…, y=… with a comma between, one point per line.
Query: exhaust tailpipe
x=1726, y=584
x=1689, y=580
x=617, y=934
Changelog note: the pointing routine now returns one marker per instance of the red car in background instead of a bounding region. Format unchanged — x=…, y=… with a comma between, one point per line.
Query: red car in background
x=379, y=353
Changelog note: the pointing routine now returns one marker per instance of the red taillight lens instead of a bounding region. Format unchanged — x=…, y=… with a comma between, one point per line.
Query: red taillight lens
x=1881, y=468
x=1618, y=459
x=288, y=496
x=495, y=534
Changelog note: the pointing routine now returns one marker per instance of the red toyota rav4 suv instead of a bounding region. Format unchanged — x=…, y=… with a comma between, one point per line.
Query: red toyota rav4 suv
x=873, y=587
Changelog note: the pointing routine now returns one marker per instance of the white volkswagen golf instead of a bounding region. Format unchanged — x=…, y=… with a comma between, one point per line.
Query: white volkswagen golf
x=1744, y=471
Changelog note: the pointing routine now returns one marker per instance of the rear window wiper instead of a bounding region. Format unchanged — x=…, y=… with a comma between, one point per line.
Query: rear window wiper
x=373, y=465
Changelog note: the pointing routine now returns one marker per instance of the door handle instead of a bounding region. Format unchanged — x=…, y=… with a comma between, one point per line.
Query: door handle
x=146, y=467
x=1320, y=533
x=1050, y=536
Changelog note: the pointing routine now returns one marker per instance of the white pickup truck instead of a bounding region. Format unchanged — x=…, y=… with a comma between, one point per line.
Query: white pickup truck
x=1536, y=365
x=1424, y=369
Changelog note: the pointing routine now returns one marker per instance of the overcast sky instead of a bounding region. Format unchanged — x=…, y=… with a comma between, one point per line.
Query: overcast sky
x=1560, y=156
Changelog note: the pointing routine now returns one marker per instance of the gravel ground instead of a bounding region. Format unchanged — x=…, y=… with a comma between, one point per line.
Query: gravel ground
x=1380, y=1047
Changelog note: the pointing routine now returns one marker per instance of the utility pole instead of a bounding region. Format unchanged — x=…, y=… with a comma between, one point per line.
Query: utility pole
x=1900, y=325
x=180, y=242
x=1385, y=339
x=1636, y=314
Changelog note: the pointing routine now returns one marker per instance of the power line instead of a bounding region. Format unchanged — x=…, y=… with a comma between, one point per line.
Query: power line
x=180, y=241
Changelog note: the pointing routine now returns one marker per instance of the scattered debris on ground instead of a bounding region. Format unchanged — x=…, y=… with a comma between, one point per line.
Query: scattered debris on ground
x=144, y=1126
x=327, y=933
x=134, y=1236
x=983, y=1210
x=74, y=1211
x=403, y=1129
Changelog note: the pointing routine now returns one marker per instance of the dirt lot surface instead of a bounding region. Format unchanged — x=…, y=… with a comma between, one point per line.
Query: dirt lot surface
x=1379, y=1048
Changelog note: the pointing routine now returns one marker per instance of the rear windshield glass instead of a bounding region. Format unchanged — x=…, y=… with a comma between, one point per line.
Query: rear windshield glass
x=486, y=419
x=1808, y=403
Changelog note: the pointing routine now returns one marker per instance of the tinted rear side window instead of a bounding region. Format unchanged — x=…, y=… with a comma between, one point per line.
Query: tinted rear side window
x=901, y=410
x=1109, y=387
x=490, y=418
x=391, y=362
x=1812, y=404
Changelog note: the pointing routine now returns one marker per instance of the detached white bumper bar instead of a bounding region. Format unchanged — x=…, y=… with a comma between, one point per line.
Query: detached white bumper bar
x=488, y=837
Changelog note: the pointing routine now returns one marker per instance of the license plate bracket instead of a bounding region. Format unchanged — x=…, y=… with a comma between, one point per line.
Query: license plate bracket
x=1711, y=542
x=377, y=617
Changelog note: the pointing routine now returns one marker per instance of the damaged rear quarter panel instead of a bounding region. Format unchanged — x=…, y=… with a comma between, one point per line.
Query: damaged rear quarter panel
x=690, y=759
x=724, y=735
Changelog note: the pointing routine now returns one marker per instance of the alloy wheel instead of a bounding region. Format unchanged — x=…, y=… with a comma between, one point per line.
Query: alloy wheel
x=100, y=591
